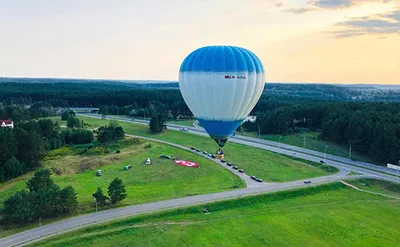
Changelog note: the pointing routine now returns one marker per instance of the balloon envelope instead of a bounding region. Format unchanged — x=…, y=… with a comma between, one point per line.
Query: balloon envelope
x=221, y=85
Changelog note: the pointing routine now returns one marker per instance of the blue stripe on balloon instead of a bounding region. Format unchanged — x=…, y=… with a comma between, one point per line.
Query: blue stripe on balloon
x=222, y=59
x=218, y=128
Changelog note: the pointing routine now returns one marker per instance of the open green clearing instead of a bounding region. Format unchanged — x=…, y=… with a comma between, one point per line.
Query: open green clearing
x=267, y=165
x=327, y=215
x=186, y=122
x=144, y=183
x=378, y=186
x=313, y=142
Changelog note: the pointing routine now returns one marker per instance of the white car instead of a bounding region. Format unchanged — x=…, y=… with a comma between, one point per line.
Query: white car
x=148, y=162
x=184, y=129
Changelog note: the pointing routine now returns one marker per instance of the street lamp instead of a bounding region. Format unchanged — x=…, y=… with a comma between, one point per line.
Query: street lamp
x=95, y=202
x=279, y=143
x=259, y=135
x=304, y=141
x=325, y=153
x=172, y=191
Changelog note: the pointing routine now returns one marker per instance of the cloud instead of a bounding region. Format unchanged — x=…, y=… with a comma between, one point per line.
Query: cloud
x=388, y=23
x=298, y=10
x=279, y=4
x=332, y=4
x=338, y=4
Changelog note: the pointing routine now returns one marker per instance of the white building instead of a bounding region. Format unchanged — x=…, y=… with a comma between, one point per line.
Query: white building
x=7, y=123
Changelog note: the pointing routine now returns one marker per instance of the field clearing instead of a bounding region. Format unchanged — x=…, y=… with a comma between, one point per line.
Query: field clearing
x=327, y=215
x=144, y=183
x=269, y=166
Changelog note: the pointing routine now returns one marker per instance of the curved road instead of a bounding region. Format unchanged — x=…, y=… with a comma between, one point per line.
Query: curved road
x=253, y=188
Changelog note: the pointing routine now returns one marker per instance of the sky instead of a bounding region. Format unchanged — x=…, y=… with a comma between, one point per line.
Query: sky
x=316, y=41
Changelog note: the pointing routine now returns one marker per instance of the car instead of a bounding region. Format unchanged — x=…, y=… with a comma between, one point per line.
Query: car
x=241, y=170
x=204, y=152
x=259, y=180
x=98, y=173
x=148, y=162
x=163, y=156
x=235, y=167
x=229, y=164
x=184, y=129
x=192, y=148
x=213, y=156
x=209, y=155
x=197, y=150
x=307, y=182
x=223, y=161
x=322, y=161
x=253, y=177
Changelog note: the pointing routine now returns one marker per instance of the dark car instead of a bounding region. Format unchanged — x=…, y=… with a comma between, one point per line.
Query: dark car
x=213, y=156
x=259, y=180
x=241, y=170
x=163, y=156
x=235, y=167
x=223, y=161
x=204, y=152
x=192, y=148
x=229, y=164
x=322, y=161
x=197, y=150
x=253, y=177
x=307, y=182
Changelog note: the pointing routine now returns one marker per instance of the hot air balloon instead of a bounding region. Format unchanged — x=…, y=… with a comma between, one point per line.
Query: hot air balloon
x=221, y=85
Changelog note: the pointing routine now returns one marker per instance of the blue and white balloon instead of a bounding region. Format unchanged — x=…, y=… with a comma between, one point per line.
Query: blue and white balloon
x=221, y=85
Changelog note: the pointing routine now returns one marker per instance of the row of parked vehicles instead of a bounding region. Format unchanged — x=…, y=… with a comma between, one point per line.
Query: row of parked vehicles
x=227, y=163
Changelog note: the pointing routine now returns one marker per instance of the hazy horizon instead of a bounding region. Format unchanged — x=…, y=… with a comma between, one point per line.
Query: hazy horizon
x=317, y=41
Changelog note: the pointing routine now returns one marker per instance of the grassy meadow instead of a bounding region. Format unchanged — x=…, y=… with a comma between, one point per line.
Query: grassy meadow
x=327, y=215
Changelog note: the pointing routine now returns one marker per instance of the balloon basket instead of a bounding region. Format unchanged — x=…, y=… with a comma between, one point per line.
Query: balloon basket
x=219, y=156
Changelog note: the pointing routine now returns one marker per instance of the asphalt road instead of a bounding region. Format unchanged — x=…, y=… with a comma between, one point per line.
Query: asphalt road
x=64, y=226
x=253, y=188
x=339, y=162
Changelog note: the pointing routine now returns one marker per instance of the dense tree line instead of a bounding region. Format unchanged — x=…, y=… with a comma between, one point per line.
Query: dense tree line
x=110, y=133
x=42, y=199
x=371, y=128
x=22, y=147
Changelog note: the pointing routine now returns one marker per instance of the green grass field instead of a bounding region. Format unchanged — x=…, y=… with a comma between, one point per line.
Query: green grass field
x=378, y=186
x=267, y=165
x=313, y=142
x=186, y=122
x=328, y=215
x=144, y=183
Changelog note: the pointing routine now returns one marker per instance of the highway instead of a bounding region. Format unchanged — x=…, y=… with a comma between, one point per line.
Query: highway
x=339, y=162
x=253, y=188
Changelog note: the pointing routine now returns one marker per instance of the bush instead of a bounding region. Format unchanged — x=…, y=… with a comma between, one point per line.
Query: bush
x=118, y=151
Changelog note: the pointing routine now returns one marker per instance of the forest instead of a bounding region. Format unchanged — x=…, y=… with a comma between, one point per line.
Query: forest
x=372, y=127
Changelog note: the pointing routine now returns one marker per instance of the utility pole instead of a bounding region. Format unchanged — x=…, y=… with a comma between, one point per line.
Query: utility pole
x=304, y=142
x=259, y=132
x=95, y=202
x=279, y=143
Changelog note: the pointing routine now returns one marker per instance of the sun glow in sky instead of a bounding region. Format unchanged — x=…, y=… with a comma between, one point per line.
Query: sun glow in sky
x=328, y=41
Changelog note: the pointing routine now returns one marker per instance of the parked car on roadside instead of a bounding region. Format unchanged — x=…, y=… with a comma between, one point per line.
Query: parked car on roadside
x=259, y=180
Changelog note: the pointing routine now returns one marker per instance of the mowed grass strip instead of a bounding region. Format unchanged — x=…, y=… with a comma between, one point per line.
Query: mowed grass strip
x=327, y=215
x=269, y=166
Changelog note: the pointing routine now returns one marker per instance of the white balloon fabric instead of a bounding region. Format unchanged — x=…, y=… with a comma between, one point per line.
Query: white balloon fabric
x=221, y=85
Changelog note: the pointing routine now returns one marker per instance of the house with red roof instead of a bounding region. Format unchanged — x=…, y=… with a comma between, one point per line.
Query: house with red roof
x=7, y=123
